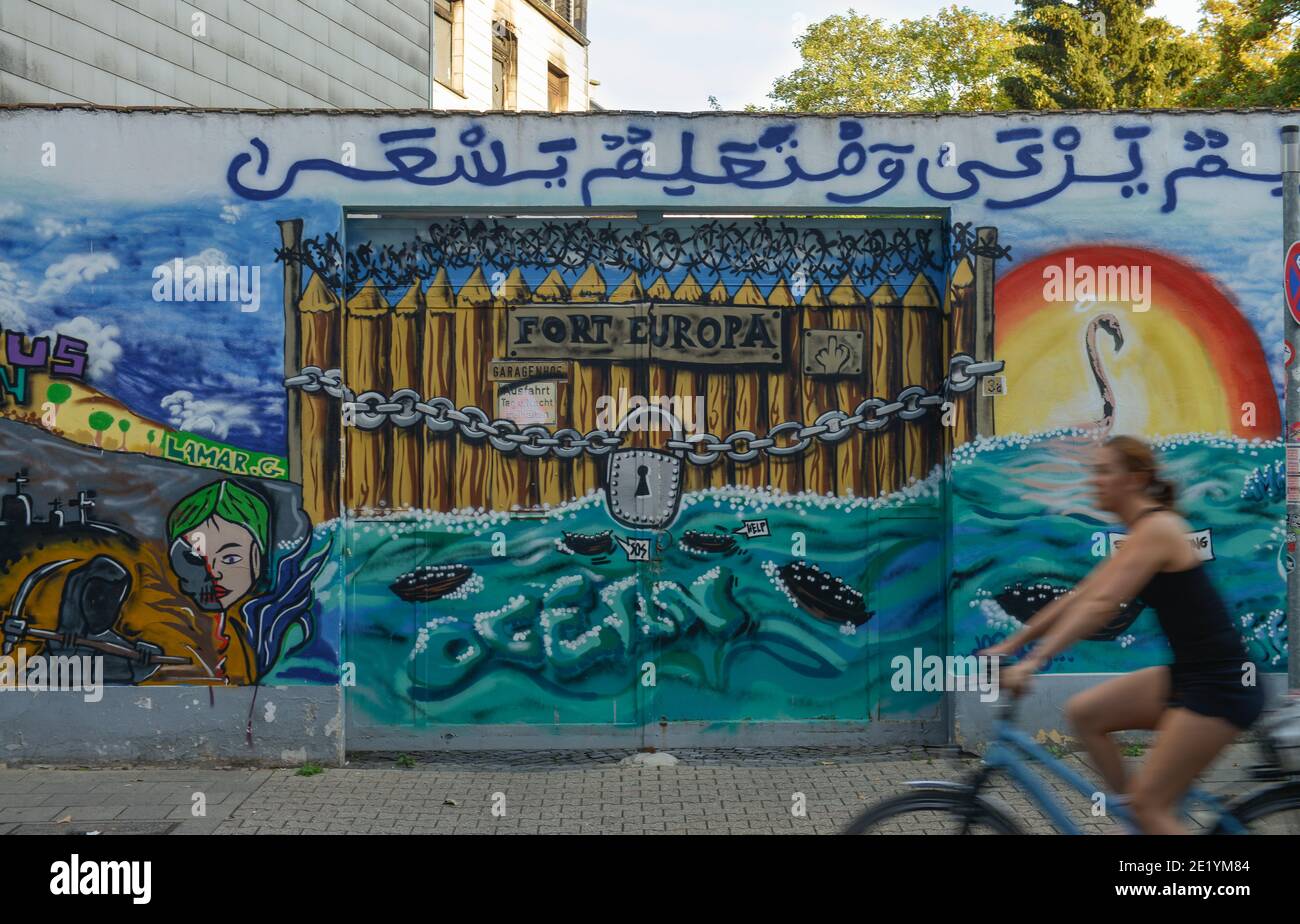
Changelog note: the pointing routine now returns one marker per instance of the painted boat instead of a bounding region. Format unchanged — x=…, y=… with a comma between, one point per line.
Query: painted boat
x=700, y=541
x=590, y=543
x=430, y=582
x=1022, y=600
x=824, y=595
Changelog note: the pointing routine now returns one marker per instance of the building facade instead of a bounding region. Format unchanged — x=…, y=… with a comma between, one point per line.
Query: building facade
x=334, y=430
x=515, y=55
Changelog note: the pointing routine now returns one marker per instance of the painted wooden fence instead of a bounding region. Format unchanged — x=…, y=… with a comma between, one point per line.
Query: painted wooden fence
x=439, y=340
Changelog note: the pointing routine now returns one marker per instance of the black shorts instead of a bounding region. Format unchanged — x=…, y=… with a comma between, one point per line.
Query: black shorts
x=1215, y=688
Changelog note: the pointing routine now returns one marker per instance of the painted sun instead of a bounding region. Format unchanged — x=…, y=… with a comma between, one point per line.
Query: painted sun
x=1188, y=363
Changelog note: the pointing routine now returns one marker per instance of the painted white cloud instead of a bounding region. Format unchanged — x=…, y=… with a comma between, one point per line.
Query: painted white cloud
x=10, y=210
x=231, y=214
x=103, y=350
x=52, y=227
x=209, y=257
x=12, y=315
x=212, y=416
x=73, y=269
x=14, y=294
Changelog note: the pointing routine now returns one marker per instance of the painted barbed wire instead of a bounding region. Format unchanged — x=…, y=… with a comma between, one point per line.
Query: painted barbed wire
x=963, y=242
x=762, y=248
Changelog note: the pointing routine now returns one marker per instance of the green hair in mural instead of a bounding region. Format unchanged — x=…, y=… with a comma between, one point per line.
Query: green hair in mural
x=227, y=500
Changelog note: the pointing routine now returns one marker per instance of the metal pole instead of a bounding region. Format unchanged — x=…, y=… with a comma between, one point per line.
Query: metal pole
x=1290, y=234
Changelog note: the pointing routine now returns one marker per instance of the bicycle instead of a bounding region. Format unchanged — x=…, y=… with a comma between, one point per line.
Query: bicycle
x=1268, y=810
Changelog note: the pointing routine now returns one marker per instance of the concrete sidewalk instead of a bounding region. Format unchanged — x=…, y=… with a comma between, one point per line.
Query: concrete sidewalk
x=706, y=792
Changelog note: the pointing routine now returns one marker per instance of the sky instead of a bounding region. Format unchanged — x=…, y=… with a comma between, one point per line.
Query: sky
x=647, y=59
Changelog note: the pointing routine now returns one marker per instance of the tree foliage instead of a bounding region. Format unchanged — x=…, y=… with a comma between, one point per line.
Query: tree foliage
x=953, y=60
x=1101, y=54
x=1051, y=54
x=1256, y=49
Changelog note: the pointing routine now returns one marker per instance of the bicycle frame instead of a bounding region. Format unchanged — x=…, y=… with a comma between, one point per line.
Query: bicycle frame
x=1013, y=750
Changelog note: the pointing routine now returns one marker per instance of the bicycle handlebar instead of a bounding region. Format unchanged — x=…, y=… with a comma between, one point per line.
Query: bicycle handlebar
x=1006, y=708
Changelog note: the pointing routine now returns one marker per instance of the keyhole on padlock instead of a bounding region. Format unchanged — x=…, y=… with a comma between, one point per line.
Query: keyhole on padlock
x=642, y=486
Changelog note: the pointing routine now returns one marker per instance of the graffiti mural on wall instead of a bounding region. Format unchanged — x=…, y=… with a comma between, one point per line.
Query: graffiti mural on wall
x=208, y=601
x=553, y=567
x=1170, y=357
x=181, y=505
x=103, y=498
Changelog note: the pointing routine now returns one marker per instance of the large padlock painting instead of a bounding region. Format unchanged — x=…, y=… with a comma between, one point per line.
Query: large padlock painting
x=643, y=487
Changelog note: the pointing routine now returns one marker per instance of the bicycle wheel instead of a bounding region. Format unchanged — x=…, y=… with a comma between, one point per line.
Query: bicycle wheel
x=1275, y=810
x=933, y=811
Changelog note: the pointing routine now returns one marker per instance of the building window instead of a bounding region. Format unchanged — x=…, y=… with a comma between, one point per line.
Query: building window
x=557, y=85
x=447, y=19
x=573, y=12
x=504, y=66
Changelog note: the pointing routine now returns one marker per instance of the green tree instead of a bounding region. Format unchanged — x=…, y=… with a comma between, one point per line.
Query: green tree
x=123, y=425
x=1254, y=48
x=1101, y=54
x=56, y=394
x=952, y=60
x=100, y=421
x=151, y=436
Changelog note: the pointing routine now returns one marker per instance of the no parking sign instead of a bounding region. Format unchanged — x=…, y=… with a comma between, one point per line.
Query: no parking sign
x=1292, y=275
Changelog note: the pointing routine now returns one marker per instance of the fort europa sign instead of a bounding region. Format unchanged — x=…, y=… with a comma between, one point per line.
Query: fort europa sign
x=704, y=334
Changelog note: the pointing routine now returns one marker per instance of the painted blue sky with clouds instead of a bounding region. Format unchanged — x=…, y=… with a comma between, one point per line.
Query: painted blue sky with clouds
x=86, y=269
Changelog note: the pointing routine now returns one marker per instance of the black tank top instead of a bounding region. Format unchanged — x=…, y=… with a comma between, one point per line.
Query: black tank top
x=1192, y=614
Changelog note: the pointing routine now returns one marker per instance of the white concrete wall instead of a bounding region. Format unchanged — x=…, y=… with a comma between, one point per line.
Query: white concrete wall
x=540, y=42
x=267, y=53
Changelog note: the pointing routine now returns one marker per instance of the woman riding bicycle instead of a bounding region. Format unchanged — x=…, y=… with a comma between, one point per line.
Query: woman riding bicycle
x=1200, y=702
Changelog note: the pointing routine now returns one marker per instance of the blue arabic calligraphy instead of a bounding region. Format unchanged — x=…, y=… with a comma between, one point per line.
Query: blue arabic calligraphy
x=771, y=161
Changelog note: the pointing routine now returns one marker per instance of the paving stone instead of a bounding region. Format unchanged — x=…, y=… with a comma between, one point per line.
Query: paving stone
x=735, y=791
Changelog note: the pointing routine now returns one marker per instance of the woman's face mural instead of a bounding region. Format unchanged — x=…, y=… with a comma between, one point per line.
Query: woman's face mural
x=218, y=539
x=230, y=560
